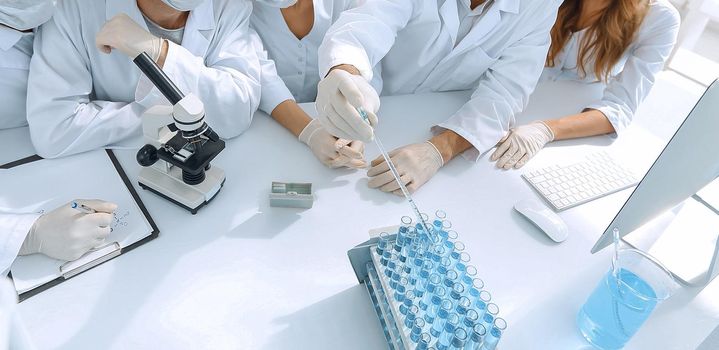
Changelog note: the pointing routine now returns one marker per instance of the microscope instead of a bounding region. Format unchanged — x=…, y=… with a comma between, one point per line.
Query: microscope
x=180, y=145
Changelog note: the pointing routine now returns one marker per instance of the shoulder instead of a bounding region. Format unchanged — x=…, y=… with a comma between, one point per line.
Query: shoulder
x=662, y=15
x=232, y=8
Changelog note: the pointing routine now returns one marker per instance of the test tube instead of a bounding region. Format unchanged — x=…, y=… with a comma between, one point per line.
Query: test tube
x=444, y=311
x=437, y=252
x=444, y=265
x=417, y=328
x=470, y=319
x=457, y=248
x=470, y=273
x=488, y=318
x=476, y=337
x=475, y=288
x=391, y=266
x=422, y=280
x=458, y=340
x=463, y=305
x=423, y=343
x=436, y=304
x=480, y=303
x=386, y=255
x=411, y=316
x=396, y=276
x=432, y=283
x=417, y=263
x=456, y=292
x=407, y=302
x=492, y=338
x=450, y=278
x=452, y=236
x=461, y=263
x=401, y=289
x=450, y=325
x=382, y=242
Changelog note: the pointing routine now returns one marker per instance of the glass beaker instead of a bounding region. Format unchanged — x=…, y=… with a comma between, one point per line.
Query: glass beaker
x=624, y=299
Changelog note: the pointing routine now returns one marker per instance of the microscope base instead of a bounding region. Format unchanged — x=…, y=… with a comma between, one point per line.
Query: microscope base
x=171, y=187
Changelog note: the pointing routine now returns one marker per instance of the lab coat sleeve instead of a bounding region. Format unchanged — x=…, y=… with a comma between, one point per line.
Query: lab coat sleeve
x=363, y=35
x=274, y=90
x=227, y=82
x=13, y=230
x=628, y=89
x=62, y=117
x=503, y=90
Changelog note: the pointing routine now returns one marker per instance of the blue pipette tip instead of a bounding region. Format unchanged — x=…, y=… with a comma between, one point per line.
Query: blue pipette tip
x=73, y=205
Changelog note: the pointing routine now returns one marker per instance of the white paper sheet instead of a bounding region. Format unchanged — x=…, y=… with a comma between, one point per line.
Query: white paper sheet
x=44, y=185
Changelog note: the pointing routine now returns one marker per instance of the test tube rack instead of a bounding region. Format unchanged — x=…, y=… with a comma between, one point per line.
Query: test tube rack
x=384, y=264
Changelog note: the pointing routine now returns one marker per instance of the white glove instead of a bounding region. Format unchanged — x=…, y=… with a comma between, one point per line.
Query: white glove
x=338, y=97
x=416, y=164
x=331, y=151
x=66, y=233
x=521, y=144
x=124, y=34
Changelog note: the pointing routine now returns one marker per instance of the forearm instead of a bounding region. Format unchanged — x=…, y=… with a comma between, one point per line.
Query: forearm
x=291, y=117
x=347, y=68
x=591, y=122
x=450, y=144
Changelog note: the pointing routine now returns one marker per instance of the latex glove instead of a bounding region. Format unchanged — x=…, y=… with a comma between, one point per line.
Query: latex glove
x=338, y=97
x=331, y=151
x=124, y=34
x=66, y=233
x=416, y=164
x=521, y=144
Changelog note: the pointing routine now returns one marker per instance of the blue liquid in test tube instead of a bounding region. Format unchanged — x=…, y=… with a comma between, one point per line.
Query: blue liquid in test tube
x=444, y=265
x=475, y=288
x=382, y=243
x=481, y=302
x=411, y=316
x=445, y=309
x=492, y=338
x=470, y=319
x=470, y=273
x=450, y=278
x=436, y=304
x=421, y=286
x=401, y=289
x=457, y=249
x=476, y=337
x=458, y=340
x=489, y=315
x=391, y=266
x=463, y=305
x=407, y=302
x=456, y=292
x=432, y=284
x=416, y=333
x=461, y=264
x=424, y=341
x=445, y=338
x=437, y=253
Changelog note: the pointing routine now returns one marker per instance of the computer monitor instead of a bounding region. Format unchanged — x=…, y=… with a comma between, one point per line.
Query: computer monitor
x=689, y=162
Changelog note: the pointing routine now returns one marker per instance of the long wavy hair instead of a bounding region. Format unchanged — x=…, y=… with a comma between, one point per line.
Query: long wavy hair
x=605, y=40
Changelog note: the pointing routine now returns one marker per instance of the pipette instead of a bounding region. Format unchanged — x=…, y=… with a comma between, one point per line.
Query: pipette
x=394, y=172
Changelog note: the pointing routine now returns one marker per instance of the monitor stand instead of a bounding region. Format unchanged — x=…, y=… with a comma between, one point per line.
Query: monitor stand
x=685, y=240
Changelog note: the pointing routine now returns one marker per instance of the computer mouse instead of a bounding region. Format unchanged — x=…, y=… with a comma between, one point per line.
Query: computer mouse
x=541, y=216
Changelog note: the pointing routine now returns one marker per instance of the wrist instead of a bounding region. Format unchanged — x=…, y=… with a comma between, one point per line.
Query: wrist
x=450, y=144
x=549, y=130
x=164, y=48
x=347, y=68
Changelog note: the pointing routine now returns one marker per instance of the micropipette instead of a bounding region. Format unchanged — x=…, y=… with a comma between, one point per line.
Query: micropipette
x=394, y=172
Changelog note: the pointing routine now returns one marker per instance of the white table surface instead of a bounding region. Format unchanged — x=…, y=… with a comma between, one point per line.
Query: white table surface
x=242, y=275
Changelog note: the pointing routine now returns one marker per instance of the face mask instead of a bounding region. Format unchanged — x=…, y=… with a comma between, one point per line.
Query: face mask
x=25, y=14
x=183, y=5
x=278, y=3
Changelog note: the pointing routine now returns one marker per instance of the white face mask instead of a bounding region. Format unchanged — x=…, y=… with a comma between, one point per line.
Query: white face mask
x=25, y=14
x=183, y=5
x=277, y=3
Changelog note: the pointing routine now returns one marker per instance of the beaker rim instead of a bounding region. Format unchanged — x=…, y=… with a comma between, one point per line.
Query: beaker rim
x=656, y=263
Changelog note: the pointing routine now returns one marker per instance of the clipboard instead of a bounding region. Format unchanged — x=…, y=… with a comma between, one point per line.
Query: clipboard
x=97, y=256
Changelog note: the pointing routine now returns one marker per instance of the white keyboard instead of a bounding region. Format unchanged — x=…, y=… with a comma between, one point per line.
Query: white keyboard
x=571, y=185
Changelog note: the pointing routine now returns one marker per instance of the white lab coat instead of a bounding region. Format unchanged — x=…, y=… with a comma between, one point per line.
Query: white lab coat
x=15, y=53
x=13, y=230
x=633, y=76
x=12, y=330
x=80, y=99
x=501, y=58
x=289, y=65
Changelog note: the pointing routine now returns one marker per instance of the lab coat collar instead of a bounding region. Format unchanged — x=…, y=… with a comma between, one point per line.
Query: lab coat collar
x=511, y=6
x=489, y=21
x=8, y=37
x=116, y=7
x=448, y=11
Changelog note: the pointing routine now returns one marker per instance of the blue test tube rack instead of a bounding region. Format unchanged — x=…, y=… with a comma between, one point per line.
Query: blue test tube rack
x=432, y=269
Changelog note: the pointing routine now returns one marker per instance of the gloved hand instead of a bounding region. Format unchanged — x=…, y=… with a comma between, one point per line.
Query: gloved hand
x=416, y=164
x=331, y=151
x=338, y=97
x=66, y=233
x=521, y=144
x=124, y=34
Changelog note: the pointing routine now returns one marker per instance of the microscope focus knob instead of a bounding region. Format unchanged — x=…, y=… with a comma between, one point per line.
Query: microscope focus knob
x=147, y=155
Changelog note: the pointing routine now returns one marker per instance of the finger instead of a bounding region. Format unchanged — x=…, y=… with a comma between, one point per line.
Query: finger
x=350, y=91
x=341, y=128
x=341, y=143
x=507, y=155
x=372, y=119
x=501, y=149
x=357, y=164
x=522, y=161
x=394, y=186
x=98, y=219
x=379, y=166
x=339, y=162
x=398, y=193
x=514, y=158
x=360, y=127
x=102, y=232
x=98, y=205
x=380, y=180
x=350, y=152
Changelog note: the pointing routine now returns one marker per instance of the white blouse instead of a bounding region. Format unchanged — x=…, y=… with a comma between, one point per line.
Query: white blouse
x=289, y=65
x=15, y=54
x=633, y=76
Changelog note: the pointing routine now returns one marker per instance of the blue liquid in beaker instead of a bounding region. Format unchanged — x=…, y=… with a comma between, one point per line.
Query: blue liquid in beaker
x=613, y=313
